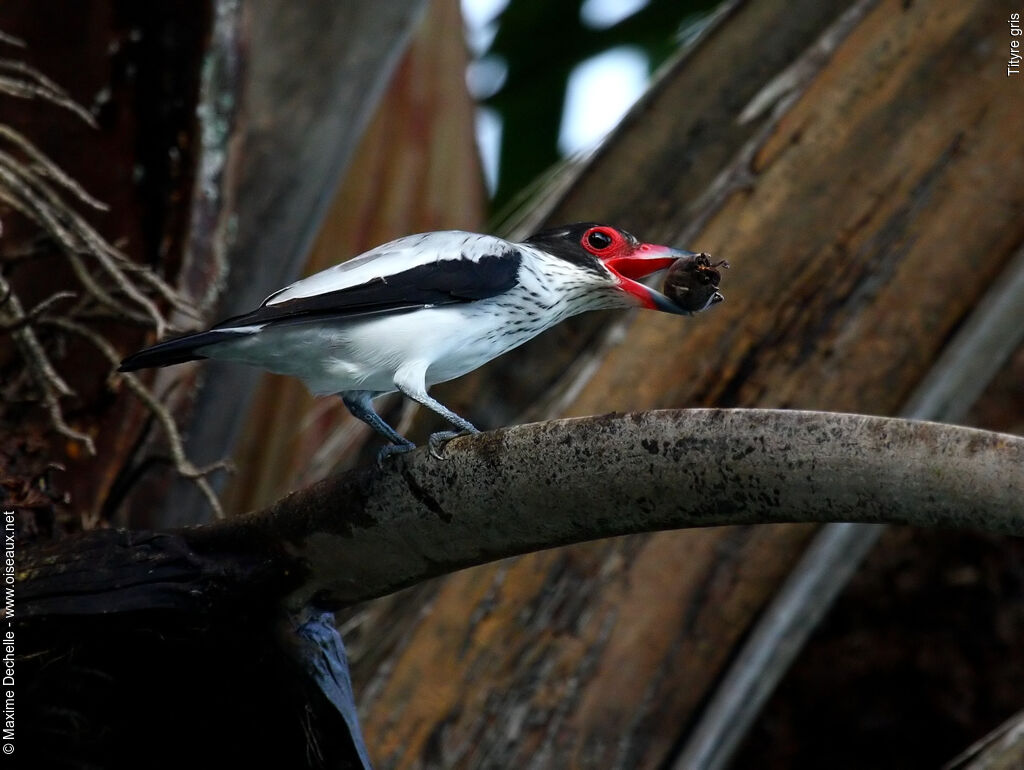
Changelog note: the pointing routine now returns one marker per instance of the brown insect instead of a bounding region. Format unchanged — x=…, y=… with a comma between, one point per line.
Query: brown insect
x=692, y=282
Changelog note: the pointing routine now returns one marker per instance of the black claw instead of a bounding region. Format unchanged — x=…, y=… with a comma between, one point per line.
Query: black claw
x=437, y=441
x=391, y=450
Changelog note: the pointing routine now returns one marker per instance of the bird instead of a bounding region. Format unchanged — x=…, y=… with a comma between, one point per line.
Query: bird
x=428, y=308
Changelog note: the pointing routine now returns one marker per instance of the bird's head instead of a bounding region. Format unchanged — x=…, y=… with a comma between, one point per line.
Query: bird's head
x=615, y=255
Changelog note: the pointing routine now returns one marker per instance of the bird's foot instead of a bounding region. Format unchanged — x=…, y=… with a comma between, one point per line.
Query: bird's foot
x=437, y=440
x=393, y=449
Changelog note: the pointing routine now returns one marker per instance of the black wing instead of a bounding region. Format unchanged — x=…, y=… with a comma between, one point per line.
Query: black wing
x=445, y=282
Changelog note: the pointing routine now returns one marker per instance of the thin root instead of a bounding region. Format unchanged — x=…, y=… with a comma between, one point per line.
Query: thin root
x=52, y=387
x=37, y=188
x=182, y=464
x=34, y=84
x=32, y=315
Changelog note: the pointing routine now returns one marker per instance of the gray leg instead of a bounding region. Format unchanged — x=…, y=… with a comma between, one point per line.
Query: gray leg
x=360, y=404
x=437, y=440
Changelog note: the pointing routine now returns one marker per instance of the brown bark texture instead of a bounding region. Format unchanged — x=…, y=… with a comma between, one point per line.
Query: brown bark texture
x=137, y=71
x=215, y=156
x=857, y=170
x=924, y=645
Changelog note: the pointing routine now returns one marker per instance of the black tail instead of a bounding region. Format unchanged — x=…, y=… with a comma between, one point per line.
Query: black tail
x=174, y=351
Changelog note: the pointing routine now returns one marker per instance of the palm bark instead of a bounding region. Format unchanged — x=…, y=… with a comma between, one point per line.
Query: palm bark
x=216, y=156
x=846, y=200
x=136, y=69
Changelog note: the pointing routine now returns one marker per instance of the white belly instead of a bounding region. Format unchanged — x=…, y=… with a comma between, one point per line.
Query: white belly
x=364, y=354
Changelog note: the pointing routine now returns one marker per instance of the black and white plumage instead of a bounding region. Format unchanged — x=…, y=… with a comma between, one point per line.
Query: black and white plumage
x=425, y=309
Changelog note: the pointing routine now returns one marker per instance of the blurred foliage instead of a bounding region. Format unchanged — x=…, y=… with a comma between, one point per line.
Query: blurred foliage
x=541, y=42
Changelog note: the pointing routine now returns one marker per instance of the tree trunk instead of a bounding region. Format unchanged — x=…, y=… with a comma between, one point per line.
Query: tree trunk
x=137, y=70
x=838, y=162
x=216, y=157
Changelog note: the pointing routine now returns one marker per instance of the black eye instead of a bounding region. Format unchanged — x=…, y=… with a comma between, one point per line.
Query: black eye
x=598, y=239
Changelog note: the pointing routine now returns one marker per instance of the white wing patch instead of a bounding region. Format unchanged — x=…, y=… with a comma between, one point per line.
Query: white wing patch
x=394, y=257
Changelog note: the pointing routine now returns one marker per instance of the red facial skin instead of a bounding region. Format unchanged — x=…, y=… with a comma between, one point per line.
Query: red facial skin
x=629, y=260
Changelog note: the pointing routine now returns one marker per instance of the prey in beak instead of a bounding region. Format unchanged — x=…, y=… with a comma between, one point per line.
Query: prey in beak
x=690, y=286
x=692, y=283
